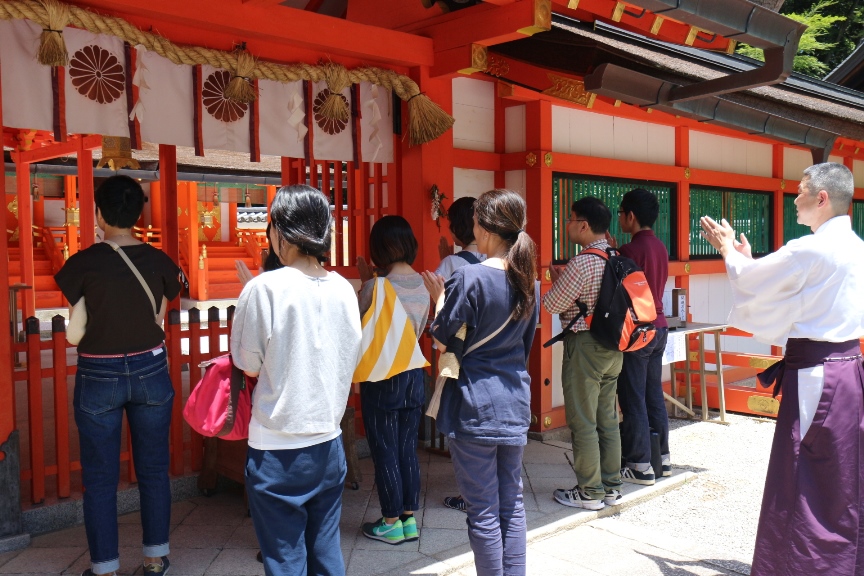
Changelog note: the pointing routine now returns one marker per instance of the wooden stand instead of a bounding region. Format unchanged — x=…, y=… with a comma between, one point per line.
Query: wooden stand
x=228, y=458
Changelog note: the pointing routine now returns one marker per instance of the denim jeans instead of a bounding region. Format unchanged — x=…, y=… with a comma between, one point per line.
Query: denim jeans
x=295, y=497
x=640, y=395
x=104, y=389
x=489, y=478
x=392, y=410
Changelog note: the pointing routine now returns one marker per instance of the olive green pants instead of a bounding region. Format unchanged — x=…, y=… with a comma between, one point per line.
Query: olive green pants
x=589, y=376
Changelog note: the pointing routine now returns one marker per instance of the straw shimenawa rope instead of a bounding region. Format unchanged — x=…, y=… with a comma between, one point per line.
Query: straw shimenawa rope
x=427, y=120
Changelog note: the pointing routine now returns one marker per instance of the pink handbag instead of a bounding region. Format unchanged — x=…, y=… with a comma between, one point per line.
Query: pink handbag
x=221, y=403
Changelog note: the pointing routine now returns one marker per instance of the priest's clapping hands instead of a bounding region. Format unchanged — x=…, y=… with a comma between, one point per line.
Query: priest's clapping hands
x=722, y=237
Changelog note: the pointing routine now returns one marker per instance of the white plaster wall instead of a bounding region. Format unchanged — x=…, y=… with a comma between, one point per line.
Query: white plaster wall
x=858, y=173
x=587, y=133
x=474, y=111
x=837, y=159
x=515, y=180
x=710, y=300
x=725, y=154
x=514, y=129
x=795, y=161
x=472, y=182
x=54, y=213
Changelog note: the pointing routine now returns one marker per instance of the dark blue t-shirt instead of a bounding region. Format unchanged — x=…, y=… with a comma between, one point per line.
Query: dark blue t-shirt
x=490, y=403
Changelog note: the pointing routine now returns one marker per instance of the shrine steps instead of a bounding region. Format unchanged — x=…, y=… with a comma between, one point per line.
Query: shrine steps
x=48, y=294
x=222, y=281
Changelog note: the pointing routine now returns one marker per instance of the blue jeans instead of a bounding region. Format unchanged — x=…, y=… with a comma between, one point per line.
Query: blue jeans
x=640, y=395
x=392, y=410
x=295, y=497
x=489, y=477
x=104, y=389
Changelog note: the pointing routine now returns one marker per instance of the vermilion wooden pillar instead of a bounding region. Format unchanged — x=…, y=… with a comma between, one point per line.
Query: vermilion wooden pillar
x=7, y=386
x=25, y=238
x=425, y=166
x=85, y=197
x=156, y=204
x=171, y=246
x=777, y=172
x=682, y=206
x=193, y=248
x=70, y=190
x=538, y=197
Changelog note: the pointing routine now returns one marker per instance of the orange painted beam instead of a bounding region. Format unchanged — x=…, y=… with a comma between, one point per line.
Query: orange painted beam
x=266, y=33
x=635, y=19
x=477, y=160
x=57, y=149
x=728, y=180
x=489, y=25
x=593, y=166
x=694, y=267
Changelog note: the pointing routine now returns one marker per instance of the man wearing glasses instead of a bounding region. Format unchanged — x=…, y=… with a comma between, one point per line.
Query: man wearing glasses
x=590, y=370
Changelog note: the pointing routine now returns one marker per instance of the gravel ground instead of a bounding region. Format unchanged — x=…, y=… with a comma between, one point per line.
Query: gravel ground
x=714, y=515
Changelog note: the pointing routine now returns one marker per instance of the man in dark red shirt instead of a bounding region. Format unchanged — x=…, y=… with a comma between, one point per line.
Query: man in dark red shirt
x=640, y=392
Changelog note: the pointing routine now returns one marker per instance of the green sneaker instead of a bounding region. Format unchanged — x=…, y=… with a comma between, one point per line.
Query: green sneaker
x=409, y=527
x=389, y=533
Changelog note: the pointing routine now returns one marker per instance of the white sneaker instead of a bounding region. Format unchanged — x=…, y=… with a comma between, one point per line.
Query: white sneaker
x=576, y=498
x=612, y=498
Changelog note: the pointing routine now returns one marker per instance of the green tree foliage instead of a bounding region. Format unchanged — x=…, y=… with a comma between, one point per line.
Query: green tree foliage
x=834, y=29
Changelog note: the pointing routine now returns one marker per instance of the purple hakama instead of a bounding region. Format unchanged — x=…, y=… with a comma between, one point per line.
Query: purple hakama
x=812, y=519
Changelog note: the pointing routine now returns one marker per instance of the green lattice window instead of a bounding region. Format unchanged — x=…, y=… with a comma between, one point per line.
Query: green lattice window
x=791, y=228
x=858, y=217
x=567, y=188
x=747, y=212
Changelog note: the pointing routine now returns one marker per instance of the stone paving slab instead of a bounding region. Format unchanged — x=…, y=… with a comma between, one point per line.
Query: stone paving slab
x=214, y=536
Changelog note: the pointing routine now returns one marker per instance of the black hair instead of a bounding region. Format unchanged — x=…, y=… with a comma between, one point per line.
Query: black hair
x=502, y=212
x=301, y=216
x=594, y=211
x=461, y=217
x=392, y=240
x=120, y=200
x=271, y=262
x=643, y=204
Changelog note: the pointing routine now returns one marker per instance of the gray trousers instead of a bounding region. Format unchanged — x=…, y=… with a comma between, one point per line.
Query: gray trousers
x=489, y=478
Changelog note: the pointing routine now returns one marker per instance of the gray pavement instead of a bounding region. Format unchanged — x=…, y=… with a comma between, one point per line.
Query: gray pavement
x=701, y=521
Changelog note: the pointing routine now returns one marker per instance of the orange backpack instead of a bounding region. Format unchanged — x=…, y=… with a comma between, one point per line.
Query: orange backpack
x=623, y=316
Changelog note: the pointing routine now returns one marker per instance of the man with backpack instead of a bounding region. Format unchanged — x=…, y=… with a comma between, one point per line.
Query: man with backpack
x=590, y=370
x=640, y=391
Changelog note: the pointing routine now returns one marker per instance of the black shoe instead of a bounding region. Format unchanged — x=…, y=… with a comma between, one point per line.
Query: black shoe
x=635, y=477
x=456, y=503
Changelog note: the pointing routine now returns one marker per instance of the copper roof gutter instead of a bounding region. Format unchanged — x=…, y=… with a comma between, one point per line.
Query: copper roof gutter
x=740, y=20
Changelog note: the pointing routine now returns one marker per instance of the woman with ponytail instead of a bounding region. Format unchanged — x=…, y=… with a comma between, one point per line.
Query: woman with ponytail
x=298, y=330
x=486, y=317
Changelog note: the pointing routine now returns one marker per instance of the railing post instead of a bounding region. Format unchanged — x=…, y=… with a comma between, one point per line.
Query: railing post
x=175, y=366
x=34, y=411
x=61, y=405
x=203, y=276
x=213, y=331
x=197, y=444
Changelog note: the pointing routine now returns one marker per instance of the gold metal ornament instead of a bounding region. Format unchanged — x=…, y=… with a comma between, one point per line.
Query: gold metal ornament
x=763, y=404
x=782, y=184
x=531, y=159
x=687, y=268
x=547, y=159
x=570, y=89
x=117, y=154
x=687, y=173
x=547, y=421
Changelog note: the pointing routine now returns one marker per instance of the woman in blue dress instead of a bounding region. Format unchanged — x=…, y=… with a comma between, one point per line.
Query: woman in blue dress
x=485, y=412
